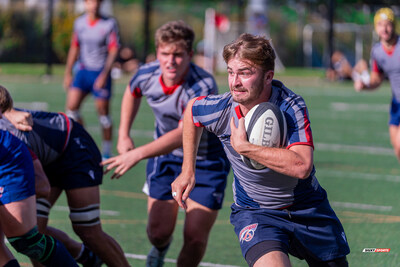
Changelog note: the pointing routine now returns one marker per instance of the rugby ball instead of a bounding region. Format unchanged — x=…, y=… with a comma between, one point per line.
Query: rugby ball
x=266, y=126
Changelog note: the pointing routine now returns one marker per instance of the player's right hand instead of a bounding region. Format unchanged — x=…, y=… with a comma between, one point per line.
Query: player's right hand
x=124, y=144
x=181, y=188
x=67, y=81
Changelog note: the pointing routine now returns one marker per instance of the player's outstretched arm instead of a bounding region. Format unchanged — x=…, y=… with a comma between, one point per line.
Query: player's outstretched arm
x=184, y=183
x=129, y=108
x=20, y=119
x=376, y=80
x=71, y=58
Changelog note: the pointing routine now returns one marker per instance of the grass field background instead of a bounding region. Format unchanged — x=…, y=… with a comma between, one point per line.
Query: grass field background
x=353, y=158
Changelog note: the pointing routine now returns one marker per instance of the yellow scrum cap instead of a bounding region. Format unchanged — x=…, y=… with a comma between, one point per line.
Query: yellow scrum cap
x=384, y=13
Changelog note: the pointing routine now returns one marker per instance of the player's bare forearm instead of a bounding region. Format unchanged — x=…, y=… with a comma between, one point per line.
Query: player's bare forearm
x=296, y=162
x=129, y=108
x=112, y=55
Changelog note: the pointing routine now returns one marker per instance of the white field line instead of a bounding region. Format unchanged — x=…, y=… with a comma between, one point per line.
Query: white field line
x=383, y=151
x=359, y=175
x=103, y=212
x=342, y=106
x=361, y=206
x=32, y=105
x=206, y=264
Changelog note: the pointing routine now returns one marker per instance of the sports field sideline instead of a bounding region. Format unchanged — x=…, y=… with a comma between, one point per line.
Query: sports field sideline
x=353, y=158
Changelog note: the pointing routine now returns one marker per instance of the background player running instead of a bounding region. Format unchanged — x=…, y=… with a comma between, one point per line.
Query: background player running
x=95, y=43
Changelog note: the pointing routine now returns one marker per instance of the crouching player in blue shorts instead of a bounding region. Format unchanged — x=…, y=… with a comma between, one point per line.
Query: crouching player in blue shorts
x=18, y=209
x=168, y=84
x=282, y=208
x=71, y=161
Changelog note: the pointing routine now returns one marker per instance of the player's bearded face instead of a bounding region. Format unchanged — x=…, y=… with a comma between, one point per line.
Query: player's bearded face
x=385, y=30
x=174, y=62
x=246, y=82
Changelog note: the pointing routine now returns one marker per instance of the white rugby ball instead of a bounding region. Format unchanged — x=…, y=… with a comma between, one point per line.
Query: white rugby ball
x=265, y=126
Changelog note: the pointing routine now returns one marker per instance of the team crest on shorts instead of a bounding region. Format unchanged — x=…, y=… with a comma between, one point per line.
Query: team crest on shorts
x=247, y=233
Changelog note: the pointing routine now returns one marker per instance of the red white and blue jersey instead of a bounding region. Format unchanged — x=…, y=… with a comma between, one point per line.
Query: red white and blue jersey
x=49, y=136
x=388, y=63
x=263, y=188
x=95, y=39
x=169, y=103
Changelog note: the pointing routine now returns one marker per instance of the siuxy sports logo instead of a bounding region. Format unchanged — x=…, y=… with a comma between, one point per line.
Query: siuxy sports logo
x=1, y=191
x=247, y=233
x=376, y=250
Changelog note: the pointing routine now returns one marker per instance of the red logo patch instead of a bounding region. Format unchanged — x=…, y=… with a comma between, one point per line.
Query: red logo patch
x=247, y=233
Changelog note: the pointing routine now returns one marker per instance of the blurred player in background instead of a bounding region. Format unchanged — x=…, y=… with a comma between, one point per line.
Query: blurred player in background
x=18, y=209
x=71, y=161
x=95, y=43
x=168, y=84
x=342, y=69
x=385, y=63
x=282, y=208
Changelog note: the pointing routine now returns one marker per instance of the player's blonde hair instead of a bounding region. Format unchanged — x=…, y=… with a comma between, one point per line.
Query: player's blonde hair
x=177, y=32
x=384, y=13
x=6, y=102
x=255, y=49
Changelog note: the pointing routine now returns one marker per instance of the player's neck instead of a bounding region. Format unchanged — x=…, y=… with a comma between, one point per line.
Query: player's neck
x=390, y=43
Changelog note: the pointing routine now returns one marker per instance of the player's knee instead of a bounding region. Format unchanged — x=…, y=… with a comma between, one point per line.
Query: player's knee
x=43, y=207
x=105, y=121
x=34, y=245
x=74, y=114
x=85, y=216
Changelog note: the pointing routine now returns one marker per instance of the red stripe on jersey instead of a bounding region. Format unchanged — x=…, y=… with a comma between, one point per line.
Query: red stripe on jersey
x=239, y=113
x=74, y=40
x=137, y=93
x=113, y=44
x=68, y=129
x=33, y=155
x=307, y=130
x=171, y=89
x=375, y=67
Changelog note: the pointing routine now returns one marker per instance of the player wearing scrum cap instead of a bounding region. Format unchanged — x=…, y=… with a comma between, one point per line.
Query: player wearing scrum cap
x=71, y=161
x=385, y=63
x=280, y=209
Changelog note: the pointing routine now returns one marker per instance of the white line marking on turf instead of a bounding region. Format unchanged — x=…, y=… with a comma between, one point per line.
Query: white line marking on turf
x=206, y=264
x=359, y=175
x=341, y=106
x=32, y=105
x=361, y=206
x=104, y=212
x=355, y=149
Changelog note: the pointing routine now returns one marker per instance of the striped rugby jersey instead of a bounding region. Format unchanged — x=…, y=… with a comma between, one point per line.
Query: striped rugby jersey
x=94, y=40
x=388, y=63
x=169, y=103
x=49, y=136
x=263, y=188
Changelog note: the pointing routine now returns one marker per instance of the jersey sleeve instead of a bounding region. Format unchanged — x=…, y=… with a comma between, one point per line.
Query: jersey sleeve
x=134, y=86
x=113, y=40
x=298, y=126
x=212, y=113
x=375, y=67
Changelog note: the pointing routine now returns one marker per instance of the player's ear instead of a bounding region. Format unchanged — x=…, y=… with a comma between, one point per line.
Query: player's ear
x=268, y=76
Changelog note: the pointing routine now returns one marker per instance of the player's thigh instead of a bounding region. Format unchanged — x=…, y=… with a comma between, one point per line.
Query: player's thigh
x=273, y=258
x=83, y=197
x=75, y=97
x=199, y=219
x=19, y=217
x=162, y=215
